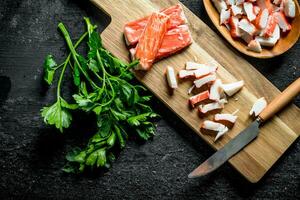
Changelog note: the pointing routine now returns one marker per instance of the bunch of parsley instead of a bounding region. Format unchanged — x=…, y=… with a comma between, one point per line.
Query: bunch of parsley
x=104, y=85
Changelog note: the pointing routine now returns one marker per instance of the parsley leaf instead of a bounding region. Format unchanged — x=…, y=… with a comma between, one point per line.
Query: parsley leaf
x=49, y=68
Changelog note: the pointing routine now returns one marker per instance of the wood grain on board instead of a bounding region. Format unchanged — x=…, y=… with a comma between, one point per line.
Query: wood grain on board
x=275, y=136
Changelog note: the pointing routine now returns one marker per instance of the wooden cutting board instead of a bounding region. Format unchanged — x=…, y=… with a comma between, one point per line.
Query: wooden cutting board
x=275, y=136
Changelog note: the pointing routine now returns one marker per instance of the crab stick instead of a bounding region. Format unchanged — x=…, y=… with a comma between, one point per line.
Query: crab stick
x=171, y=78
x=247, y=26
x=198, y=98
x=248, y=8
x=205, y=80
x=256, y=10
x=234, y=29
x=271, y=41
x=220, y=4
x=211, y=107
x=186, y=74
x=262, y=19
x=271, y=24
x=226, y=119
x=216, y=90
x=134, y=29
x=236, y=10
x=192, y=66
x=265, y=4
x=258, y=107
x=232, y=88
x=224, y=16
x=282, y=21
x=289, y=8
x=214, y=127
x=151, y=40
x=255, y=46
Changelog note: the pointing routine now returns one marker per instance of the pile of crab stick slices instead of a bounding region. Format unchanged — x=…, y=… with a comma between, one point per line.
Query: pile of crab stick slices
x=257, y=22
x=211, y=96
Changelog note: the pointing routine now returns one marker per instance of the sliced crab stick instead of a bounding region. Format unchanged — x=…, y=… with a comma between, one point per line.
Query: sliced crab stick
x=258, y=107
x=265, y=4
x=247, y=26
x=216, y=90
x=256, y=10
x=255, y=46
x=215, y=106
x=271, y=41
x=232, y=88
x=282, y=21
x=224, y=16
x=226, y=119
x=205, y=80
x=197, y=73
x=271, y=24
x=262, y=19
x=199, y=98
x=171, y=78
x=234, y=29
x=186, y=74
x=215, y=127
x=289, y=8
x=192, y=65
x=220, y=4
x=236, y=10
x=248, y=8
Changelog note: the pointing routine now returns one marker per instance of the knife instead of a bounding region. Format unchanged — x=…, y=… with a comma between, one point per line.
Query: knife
x=248, y=134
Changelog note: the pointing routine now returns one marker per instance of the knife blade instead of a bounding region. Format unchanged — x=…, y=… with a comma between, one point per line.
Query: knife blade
x=248, y=134
x=231, y=148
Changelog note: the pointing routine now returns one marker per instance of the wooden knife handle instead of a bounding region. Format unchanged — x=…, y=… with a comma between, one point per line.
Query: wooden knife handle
x=280, y=101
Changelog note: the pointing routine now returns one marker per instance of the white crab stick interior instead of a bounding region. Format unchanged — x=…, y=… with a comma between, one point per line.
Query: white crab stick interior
x=185, y=73
x=207, y=79
x=214, y=126
x=220, y=4
x=216, y=90
x=236, y=10
x=224, y=16
x=248, y=7
x=171, y=77
x=212, y=106
x=232, y=88
x=226, y=117
x=246, y=26
x=263, y=20
x=258, y=107
x=289, y=8
x=193, y=66
x=255, y=46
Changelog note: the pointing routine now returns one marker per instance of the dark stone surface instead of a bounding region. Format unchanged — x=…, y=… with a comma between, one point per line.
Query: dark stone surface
x=31, y=154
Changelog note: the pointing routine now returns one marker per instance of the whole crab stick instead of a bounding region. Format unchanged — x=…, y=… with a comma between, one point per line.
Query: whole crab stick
x=133, y=30
x=151, y=40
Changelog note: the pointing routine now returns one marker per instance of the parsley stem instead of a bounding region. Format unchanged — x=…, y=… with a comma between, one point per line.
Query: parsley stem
x=66, y=63
x=74, y=53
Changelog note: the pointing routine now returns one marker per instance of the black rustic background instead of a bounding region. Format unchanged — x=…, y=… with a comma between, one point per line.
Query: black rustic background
x=32, y=154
